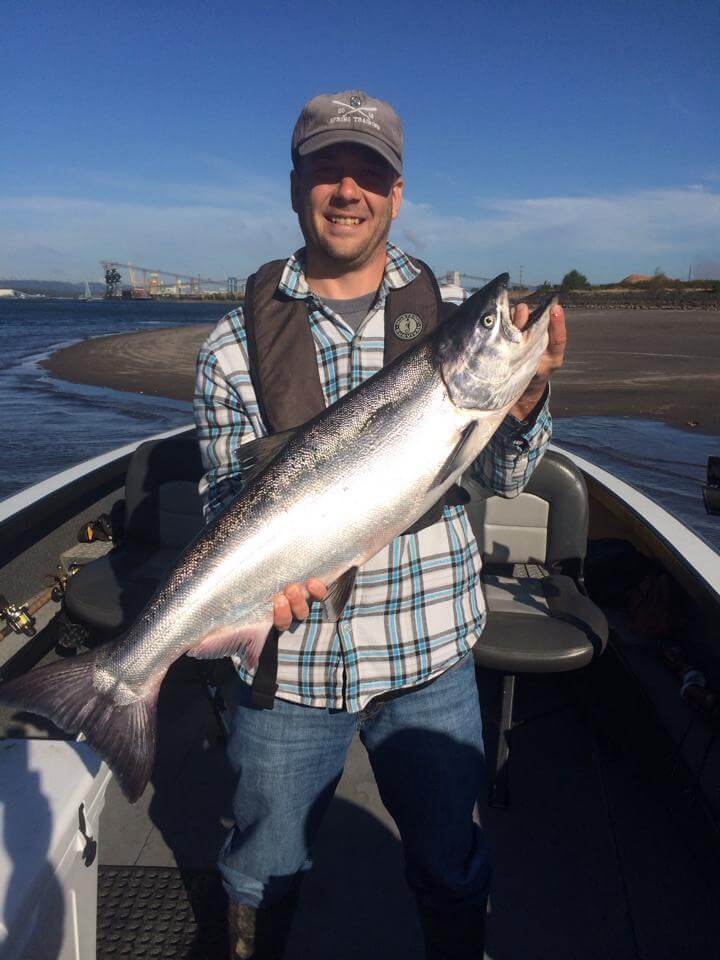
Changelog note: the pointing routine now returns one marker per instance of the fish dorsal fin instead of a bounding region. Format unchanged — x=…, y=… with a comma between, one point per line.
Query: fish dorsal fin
x=338, y=595
x=257, y=454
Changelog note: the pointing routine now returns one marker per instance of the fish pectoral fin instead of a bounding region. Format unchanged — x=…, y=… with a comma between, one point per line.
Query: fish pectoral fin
x=451, y=464
x=257, y=454
x=226, y=640
x=338, y=595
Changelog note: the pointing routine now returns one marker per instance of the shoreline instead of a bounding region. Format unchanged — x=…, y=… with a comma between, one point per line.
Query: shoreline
x=652, y=364
x=158, y=362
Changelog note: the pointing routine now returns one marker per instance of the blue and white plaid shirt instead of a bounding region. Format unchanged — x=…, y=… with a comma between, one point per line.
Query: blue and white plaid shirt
x=417, y=607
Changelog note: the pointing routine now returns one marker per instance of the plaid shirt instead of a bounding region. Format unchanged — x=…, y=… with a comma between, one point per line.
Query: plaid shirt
x=417, y=607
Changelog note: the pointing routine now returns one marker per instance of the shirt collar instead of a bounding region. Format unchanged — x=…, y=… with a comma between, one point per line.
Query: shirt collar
x=399, y=272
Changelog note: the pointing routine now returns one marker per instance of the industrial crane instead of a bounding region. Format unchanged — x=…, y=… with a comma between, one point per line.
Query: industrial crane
x=151, y=284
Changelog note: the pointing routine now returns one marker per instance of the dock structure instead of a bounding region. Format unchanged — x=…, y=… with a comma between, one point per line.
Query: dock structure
x=149, y=282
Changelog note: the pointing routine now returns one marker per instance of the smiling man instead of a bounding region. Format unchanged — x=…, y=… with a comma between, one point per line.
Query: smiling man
x=346, y=197
x=390, y=659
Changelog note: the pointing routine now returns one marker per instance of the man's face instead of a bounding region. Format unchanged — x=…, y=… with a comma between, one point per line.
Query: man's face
x=346, y=198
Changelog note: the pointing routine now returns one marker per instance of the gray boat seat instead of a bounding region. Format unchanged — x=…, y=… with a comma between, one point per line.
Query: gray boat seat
x=539, y=625
x=163, y=513
x=539, y=616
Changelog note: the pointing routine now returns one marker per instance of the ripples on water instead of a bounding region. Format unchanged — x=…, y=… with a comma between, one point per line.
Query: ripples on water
x=666, y=464
x=51, y=425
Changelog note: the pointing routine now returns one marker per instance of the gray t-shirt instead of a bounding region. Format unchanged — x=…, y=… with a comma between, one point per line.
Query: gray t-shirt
x=352, y=311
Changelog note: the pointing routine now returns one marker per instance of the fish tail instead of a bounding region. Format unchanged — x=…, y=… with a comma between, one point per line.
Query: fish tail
x=123, y=734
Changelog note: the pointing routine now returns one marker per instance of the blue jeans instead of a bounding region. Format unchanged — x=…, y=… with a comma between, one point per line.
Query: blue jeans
x=426, y=752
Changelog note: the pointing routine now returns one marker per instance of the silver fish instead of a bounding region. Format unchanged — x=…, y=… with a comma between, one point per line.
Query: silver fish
x=339, y=490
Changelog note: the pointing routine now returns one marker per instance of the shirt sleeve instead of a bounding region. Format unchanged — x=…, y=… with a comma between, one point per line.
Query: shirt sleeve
x=507, y=462
x=222, y=413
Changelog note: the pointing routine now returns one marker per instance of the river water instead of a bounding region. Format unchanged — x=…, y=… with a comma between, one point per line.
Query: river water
x=51, y=424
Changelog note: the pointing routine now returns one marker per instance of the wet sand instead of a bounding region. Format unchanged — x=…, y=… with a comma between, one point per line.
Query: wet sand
x=657, y=364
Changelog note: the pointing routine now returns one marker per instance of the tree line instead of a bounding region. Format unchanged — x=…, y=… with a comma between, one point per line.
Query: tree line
x=574, y=280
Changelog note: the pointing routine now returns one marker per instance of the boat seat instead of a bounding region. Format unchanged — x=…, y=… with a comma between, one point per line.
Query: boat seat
x=163, y=512
x=539, y=616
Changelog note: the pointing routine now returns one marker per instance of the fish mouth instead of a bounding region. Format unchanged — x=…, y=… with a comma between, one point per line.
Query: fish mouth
x=540, y=311
x=525, y=334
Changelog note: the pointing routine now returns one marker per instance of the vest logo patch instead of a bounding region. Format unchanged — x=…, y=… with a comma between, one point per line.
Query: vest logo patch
x=408, y=326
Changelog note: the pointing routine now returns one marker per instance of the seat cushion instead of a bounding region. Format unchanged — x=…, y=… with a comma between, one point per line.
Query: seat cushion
x=510, y=531
x=169, y=514
x=109, y=593
x=539, y=626
x=162, y=504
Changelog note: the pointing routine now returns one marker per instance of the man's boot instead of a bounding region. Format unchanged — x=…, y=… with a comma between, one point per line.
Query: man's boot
x=453, y=934
x=261, y=933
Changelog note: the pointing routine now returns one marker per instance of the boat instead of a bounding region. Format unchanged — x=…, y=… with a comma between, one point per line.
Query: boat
x=604, y=825
x=87, y=295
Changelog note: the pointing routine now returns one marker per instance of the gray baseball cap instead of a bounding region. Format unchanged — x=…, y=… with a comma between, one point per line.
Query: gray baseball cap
x=349, y=117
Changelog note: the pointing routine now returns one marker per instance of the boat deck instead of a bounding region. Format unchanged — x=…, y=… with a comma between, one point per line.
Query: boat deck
x=603, y=854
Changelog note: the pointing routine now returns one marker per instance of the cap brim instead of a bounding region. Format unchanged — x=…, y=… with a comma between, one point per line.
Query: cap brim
x=322, y=140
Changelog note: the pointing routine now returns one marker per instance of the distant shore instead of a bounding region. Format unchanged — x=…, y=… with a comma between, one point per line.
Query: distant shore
x=628, y=299
x=654, y=364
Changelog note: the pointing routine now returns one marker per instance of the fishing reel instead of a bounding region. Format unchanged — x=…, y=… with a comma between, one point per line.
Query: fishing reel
x=60, y=581
x=17, y=617
x=694, y=687
x=711, y=492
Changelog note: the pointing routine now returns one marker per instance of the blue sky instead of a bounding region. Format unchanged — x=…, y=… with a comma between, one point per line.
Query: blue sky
x=547, y=135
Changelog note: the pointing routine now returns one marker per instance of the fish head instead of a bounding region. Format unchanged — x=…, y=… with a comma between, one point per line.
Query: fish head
x=486, y=361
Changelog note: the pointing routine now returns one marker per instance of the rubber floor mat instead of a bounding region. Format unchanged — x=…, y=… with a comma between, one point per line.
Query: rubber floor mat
x=160, y=912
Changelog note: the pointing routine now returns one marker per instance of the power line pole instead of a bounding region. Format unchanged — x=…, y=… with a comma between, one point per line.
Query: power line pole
x=520, y=282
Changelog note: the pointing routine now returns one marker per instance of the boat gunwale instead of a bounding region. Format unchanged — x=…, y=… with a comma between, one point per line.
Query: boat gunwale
x=688, y=550
x=31, y=496
x=36, y=504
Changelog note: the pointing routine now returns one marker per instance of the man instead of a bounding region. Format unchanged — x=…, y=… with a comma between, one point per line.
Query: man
x=396, y=666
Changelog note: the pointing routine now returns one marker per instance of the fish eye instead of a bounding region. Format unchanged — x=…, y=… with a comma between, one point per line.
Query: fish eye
x=488, y=320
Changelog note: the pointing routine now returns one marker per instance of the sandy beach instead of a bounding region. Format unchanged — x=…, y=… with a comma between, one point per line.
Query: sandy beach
x=656, y=364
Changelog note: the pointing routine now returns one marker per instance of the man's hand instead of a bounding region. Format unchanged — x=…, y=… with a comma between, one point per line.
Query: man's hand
x=293, y=602
x=550, y=361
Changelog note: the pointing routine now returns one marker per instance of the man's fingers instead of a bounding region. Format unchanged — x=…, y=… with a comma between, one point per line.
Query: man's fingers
x=520, y=315
x=297, y=596
x=316, y=589
x=557, y=337
x=557, y=332
x=282, y=614
x=292, y=603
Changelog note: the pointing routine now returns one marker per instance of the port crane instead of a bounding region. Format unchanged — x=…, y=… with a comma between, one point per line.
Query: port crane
x=146, y=281
x=459, y=279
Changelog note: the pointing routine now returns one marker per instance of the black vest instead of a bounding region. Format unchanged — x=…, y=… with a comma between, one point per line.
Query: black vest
x=283, y=362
